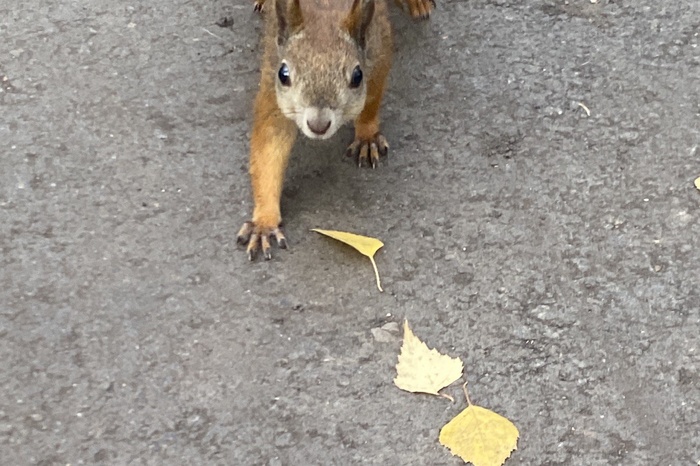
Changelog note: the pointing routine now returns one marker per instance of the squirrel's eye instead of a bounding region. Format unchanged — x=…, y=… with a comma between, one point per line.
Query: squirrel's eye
x=283, y=74
x=356, y=78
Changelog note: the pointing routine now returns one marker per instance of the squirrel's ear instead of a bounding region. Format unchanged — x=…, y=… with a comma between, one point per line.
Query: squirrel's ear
x=358, y=20
x=289, y=19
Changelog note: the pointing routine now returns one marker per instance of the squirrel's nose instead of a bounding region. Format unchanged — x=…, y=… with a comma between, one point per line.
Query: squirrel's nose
x=318, y=125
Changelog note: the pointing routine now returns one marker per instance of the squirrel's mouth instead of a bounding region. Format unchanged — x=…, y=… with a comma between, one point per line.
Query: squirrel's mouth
x=317, y=123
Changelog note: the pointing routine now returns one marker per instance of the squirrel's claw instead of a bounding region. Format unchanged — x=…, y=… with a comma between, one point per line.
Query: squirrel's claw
x=258, y=238
x=258, y=5
x=419, y=9
x=367, y=152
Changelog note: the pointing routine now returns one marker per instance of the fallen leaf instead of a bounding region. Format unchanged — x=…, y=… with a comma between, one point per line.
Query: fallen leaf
x=391, y=327
x=366, y=245
x=480, y=436
x=387, y=333
x=697, y=185
x=424, y=370
x=382, y=336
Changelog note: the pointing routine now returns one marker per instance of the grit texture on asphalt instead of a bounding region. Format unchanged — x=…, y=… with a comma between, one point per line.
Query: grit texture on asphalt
x=537, y=206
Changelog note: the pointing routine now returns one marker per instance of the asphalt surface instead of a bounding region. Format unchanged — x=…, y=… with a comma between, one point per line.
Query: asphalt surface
x=555, y=251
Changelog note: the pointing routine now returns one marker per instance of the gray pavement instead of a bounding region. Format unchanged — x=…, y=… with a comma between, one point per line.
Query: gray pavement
x=556, y=252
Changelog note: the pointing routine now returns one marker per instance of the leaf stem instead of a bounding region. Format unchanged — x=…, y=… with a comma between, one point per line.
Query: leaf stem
x=466, y=393
x=376, y=273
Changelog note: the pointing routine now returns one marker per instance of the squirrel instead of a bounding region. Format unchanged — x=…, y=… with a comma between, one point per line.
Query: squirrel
x=325, y=63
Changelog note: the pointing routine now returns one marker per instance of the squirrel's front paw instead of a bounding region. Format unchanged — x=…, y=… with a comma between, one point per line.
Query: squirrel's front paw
x=258, y=5
x=368, y=151
x=419, y=9
x=258, y=237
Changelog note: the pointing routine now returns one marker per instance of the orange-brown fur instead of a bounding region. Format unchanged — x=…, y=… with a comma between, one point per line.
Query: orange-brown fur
x=322, y=46
x=417, y=8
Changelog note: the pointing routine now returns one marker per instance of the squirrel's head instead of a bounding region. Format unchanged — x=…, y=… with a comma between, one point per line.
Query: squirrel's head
x=320, y=82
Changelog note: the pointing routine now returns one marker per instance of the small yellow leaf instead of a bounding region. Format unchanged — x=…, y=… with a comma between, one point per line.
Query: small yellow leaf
x=424, y=370
x=480, y=436
x=366, y=245
x=697, y=182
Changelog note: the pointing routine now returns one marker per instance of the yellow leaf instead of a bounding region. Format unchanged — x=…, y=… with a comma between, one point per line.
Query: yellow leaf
x=697, y=182
x=424, y=370
x=366, y=245
x=480, y=436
